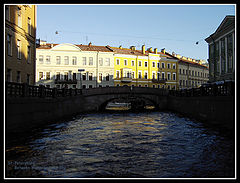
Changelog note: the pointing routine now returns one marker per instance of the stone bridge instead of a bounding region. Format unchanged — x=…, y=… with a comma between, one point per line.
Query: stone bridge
x=96, y=99
x=33, y=106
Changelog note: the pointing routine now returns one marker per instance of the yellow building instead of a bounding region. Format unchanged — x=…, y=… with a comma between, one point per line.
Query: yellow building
x=20, y=41
x=144, y=68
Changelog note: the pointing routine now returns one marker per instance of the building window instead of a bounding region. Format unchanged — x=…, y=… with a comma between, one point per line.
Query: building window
x=174, y=66
x=9, y=75
x=66, y=60
x=28, y=54
x=101, y=61
x=133, y=62
x=174, y=76
x=133, y=74
x=58, y=76
x=153, y=64
x=158, y=65
x=145, y=75
x=107, y=77
x=40, y=75
x=169, y=76
x=9, y=45
x=19, y=17
x=107, y=62
x=89, y=86
x=192, y=73
x=139, y=74
x=163, y=75
x=18, y=77
x=153, y=75
x=125, y=62
x=117, y=62
x=90, y=76
x=74, y=60
x=84, y=86
x=169, y=66
x=18, y=49
x=84, y=60
x=74, y=76
x=145, y=64
x=139, y=63
x=65, y=75
x=100, y=76
x=117, y=74
x=29, y=25
x=90, y=60
x=48, y=60
x=183, y=71
x=28, y=79
x=47, y=75
x=180, y=71
x=163, y=65
x=84, y=77
x=41, y=59
x=58, y=60
x=158, y=76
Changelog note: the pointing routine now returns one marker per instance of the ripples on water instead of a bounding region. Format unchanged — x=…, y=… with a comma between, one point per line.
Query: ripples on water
x=156, y=144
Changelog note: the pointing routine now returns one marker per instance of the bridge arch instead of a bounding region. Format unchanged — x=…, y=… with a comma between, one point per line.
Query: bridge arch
x=103, y=105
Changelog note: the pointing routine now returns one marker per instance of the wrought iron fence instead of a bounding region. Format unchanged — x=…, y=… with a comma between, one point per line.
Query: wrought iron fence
x=225, y=89
x=24, y=90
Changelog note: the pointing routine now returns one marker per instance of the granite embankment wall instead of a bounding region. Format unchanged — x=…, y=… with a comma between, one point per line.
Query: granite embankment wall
x=213, y=110
x=23, y=114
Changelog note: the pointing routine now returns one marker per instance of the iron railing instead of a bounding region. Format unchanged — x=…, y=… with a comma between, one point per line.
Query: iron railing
x=225, y=89
x=24, y=90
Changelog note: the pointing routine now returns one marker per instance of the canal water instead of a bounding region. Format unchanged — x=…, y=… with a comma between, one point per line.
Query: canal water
x=123, y=145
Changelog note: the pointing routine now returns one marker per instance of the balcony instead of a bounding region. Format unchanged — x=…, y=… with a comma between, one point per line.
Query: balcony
x=65, y=81
x=126, y=80
x=159, y=80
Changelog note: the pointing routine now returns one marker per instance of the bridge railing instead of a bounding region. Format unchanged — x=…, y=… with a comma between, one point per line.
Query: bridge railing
x=24, y=90
x=225, y=89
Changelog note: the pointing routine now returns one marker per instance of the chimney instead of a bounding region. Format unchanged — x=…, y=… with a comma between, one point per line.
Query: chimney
x=90, y=44
x=51, y=45
x=133, y=48
x=120, y=46
x=143, y=49
x=150, y=49
x=163, y=50
x=155, y=50
x=173, y=54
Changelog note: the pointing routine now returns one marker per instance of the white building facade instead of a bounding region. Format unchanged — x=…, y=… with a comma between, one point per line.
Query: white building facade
x=58, y=65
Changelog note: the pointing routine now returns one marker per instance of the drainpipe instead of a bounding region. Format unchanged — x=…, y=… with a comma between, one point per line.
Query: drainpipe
x=136, y=72
x=97, y=69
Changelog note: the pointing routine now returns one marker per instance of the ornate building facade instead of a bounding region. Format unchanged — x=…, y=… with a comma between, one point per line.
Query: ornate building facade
x=20, y=43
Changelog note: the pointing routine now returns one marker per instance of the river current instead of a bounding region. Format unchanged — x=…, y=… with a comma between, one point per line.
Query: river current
x=123, y=145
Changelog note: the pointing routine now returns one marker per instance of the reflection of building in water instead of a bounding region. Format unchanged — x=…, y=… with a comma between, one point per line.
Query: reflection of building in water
x=20, y=36
x=57, y=65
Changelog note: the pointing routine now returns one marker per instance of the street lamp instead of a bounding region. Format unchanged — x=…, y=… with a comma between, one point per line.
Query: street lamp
x=80, y=70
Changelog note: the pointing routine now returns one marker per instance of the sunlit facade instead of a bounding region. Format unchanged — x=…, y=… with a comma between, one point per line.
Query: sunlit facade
x=20, y=41
x=144, y=68
x=58, y=65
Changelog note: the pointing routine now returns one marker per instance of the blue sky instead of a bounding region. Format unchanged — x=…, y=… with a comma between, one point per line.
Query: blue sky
x=174, y=27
